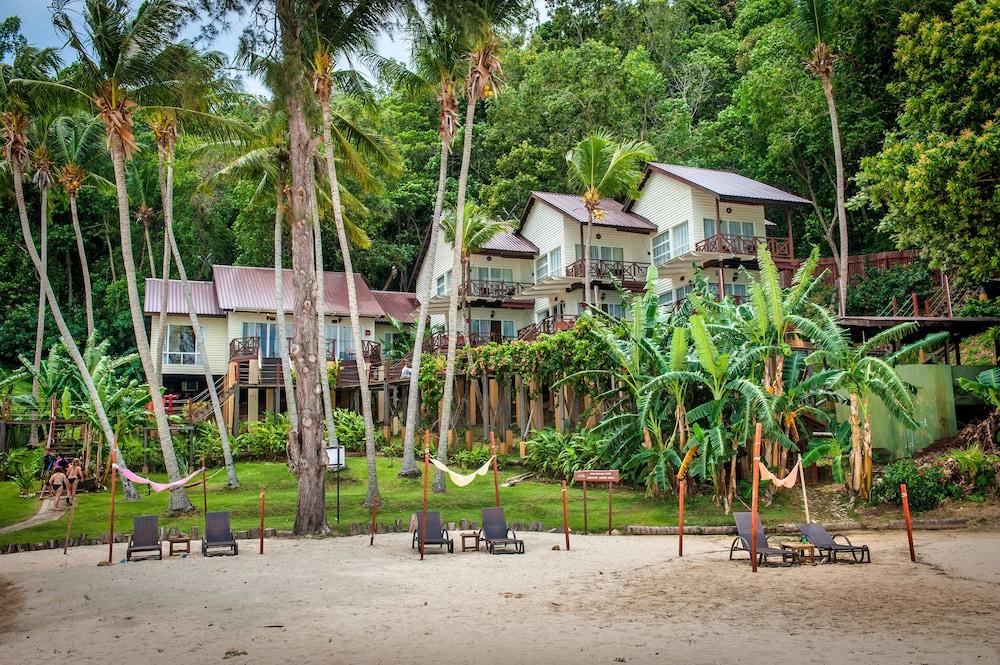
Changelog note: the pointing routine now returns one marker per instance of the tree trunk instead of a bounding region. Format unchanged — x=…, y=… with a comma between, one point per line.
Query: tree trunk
x=164, y=272
x=179, y=502
x=838, y=155
x=305, y=446
x=372, y=495
x=43, y=243
x=149, y=244
x=586, y=256
x=88, y=296
x=856, y=458
x=324, y=376
x=167, y=194
x=866, y=450
x=111, y=251
x=456, y=271
x=67, y=338
x=279, y=305
x=410, y=468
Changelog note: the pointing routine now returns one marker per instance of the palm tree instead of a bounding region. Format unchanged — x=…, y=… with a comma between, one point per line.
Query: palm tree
x=126, y=59
x=437, y=53
x=855, y=371
x=77, y=142
x=813, y=24
x=482, y=18
x=602, y=169
x=44, y=178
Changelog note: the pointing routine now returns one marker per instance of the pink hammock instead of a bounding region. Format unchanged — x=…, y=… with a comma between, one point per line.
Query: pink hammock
x=157, y=487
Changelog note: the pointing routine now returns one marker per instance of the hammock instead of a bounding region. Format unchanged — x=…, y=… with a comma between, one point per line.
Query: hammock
x=786, y=482
x=459, y=479
x=157, y=487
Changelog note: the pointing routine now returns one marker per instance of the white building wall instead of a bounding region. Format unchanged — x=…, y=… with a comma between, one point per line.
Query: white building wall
x=216, y=343
x=704, y=208
x=664, y=201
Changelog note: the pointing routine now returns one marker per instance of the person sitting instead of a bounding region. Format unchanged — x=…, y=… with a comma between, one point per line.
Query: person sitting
x=74, y=476
x=57, y=483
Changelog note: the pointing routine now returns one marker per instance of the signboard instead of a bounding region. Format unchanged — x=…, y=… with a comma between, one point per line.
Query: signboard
x=596, y=476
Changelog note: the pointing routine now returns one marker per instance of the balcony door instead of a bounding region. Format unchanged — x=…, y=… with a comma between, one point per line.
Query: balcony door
x=268, y=334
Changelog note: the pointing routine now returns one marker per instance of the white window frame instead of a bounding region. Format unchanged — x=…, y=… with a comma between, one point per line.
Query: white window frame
x=661, y=248
x=181, y=357
x=548, y=265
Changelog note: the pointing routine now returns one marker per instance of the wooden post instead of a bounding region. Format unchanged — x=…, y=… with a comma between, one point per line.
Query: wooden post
x=680, y=516
x=371, y=540
x=788, y=228
x=586, y=531
x=805, y=499
x=895, y=306
x=262, y=522
x=69, y=525
x=909, y=523
x=111, y=527
x=204, y=491
x=610, y=494
x=947, y=293
x=753, y=504
x=468, y=439
x=423, y=519
x=916, y=307
x=496, y=474
x=509, y=443
x=565, y=514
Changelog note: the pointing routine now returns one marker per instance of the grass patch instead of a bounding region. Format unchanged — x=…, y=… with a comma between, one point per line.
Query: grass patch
x=527, y=502
x=13, y=508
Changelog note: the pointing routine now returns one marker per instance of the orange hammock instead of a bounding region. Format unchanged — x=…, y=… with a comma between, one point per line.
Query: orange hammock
x=788, y=481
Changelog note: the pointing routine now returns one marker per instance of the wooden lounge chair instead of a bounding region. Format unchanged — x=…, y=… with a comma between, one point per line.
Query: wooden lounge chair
x=818, y=536
x=145, y=538
x=218, y=535
x=436, y=534
x=764, y=551
x=497, y=534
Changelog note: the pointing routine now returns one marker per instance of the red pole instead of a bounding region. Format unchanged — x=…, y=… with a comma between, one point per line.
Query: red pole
x=423, y=519
x=371, y=541
x=496, y=474
x=916, y=307
x=262, y=522
x=909, y=523
x=111, y=527
x=680, y=516
x=753, y=505
x=586, y=531
x=565, y=514
x=610, y=486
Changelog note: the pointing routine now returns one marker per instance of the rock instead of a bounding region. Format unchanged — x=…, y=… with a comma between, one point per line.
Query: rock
x=556, y=548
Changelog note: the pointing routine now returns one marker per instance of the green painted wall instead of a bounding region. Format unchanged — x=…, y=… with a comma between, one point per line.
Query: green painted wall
x=933, y=407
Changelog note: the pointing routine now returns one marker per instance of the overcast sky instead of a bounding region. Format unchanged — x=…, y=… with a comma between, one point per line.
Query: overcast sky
x=36, y=26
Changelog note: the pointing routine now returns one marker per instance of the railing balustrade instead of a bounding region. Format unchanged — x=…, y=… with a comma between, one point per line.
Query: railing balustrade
x=605, y=269
x=780, y=248
x=493, y=289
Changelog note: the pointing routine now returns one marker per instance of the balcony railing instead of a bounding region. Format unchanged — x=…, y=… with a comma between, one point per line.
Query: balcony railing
x=244, y=348
x=603, y=269
x=780, y=248
x=547, y=326
x=438, y=342
x=493, y=290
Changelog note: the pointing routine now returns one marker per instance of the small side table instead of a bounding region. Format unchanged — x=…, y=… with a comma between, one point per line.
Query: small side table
x=804, y=552
x=176, y=542
x=466, y=537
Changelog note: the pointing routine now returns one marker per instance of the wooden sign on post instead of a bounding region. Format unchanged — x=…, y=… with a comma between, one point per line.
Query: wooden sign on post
x=609, y=476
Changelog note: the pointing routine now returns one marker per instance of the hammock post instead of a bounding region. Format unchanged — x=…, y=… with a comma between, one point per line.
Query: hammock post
x=805, y=499
x=423, y=519
x=262, y=522
x=754, y=502
x=611, y=486
x=909, y=523
x=204, y=488
x=111, y=526
x=496, y=474
x=586, y=531
x=69, y=525
x=565, y=514
x=680, y=516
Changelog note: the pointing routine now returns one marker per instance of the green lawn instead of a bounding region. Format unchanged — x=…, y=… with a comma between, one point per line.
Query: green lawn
x=527, y=502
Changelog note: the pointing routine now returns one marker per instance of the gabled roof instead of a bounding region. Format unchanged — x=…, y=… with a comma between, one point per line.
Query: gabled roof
x=203, y=294
x=510, y=244
x=252, y=289
x=399, y=305
x=571, y=205
x=727, y=186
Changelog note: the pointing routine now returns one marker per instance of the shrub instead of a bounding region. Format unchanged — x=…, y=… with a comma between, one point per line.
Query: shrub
x=876, y=290
x=975, y=307
x=970, y=471
x=926, y=486
x=391, y=449
x=560, y=454
x=25, y=479
x=473, y=459
x=264, y=439
x=351, y=431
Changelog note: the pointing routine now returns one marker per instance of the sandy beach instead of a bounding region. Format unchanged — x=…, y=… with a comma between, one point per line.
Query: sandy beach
x=608, y=600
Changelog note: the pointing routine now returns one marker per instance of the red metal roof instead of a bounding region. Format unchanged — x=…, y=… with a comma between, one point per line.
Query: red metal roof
x=572, y=206
x=510, y=243
x=203, y=294
x=728, y=186
x=252, y=289
x=398, y=304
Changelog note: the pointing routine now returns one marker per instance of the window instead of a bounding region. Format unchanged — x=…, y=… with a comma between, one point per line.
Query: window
x=268, y=334
x=730, y=228
x=602, y=253
x=613, y=310
x=443, y=284
x=548, y=265
x=661, y=248
x=683, y=292
x=680, y=239
x=180, y=347
x=341, y=338
x=666, y=299
x=491, y=274
x=493, y=329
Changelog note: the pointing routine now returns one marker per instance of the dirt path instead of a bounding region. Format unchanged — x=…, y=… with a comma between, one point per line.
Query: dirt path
x=47, y=512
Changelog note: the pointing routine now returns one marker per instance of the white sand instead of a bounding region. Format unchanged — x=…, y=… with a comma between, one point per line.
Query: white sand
x=624, y=599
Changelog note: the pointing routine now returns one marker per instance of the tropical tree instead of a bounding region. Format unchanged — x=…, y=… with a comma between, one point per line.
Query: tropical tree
x=77, y=145
x=438, y=55
x=600, y=169
x=127, y=59
x=483, y=19
x=44, y=178
x=813, y=22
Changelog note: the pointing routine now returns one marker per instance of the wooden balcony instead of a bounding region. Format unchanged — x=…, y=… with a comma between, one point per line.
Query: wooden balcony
x=438, y=342
x=244, y=348
x=780, y=248
x=493, y=290
x=547, y=326
x=626, y=272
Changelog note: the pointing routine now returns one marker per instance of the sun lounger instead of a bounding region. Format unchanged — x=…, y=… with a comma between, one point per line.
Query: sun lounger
x=497, y=534
x=436, y=534
x=218, y=535
x=764, y=551
x=818, y=536
x=145, y=538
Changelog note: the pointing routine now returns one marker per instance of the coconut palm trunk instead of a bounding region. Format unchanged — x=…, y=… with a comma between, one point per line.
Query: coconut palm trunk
x=372, y=494
x=409, y=468
x=589, y=241
x=838, y=156
x=149, y=246
x=88, y=296
x=279, y=307
x=456, y=271
x=43, y=243
x=67, y=338
x=324, y=376
x=179, y=501
x=161, y=322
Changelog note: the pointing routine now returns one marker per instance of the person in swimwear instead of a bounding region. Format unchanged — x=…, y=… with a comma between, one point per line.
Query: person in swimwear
x=74, y=476
x=57, y=483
